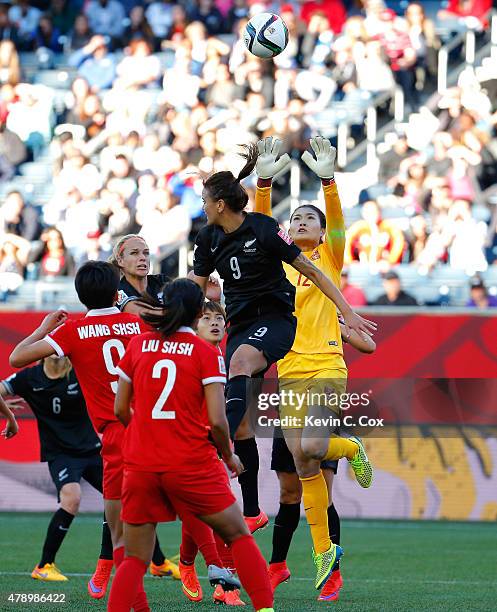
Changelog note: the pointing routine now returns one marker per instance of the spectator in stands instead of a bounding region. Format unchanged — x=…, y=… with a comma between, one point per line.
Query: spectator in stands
x=176, y=31
x=390, y=161
x=402, y=57
x=95, y=63
x=116, y=219
x=472, y=13
x=14, y=252
x=417, y=237
x=8, y=30
x=160, y=17
x=185, y=96
x=25, y=17
x=122, y=178
x=424, y=39
x=63, y=15
x=10, y=68
x=466, y=237
x=240, y=10
x=81, y=34
x=138, y=69
x=374, y=240
x=394, y=294
x=74, y=101
x=165, y=224
x=480, y=297
x=106, y=17
x=373, y=72
x=332, y=9
x=12, y=147
x=207, y=13
x=52, y=256
x=47, y=36
x=138, y=27
x=19, y=218
x=354, y=295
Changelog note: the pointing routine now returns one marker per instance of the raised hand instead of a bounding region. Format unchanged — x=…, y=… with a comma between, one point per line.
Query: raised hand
x=53, y=320
x=324, y=164
x=267, y=163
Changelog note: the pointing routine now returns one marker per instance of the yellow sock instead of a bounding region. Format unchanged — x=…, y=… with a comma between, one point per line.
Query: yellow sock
x=339, y=448
x=315, y=496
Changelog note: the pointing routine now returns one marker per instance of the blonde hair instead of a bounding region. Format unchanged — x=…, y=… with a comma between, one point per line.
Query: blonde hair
x=119, y=247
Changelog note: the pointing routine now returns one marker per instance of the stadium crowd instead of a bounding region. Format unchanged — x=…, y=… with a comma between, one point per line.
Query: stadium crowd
x=160, y=93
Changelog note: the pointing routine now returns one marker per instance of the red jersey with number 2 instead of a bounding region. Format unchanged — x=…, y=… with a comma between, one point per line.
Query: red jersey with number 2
x=167, y=430
x=95, y=344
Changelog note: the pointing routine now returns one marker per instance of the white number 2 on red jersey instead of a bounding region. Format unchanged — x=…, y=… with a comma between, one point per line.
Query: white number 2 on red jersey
x=170, y=366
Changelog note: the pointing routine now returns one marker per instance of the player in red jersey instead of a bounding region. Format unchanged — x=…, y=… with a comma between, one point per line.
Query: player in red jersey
x=95, y=344
x=171, y=467
x=211, y=327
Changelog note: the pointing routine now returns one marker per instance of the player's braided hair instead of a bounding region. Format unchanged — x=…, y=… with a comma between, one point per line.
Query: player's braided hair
x=225, y=186
x=182, y=302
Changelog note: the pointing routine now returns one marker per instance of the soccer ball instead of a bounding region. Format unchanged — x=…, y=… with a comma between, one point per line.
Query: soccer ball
x=266, y=35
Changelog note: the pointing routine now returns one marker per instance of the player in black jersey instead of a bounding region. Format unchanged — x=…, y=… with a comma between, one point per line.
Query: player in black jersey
x=132, y=256
x=247, y=250
x=68, y=443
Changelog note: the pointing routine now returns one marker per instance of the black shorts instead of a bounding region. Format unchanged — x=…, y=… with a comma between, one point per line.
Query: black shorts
x=65, y=468
x=282, y=460
x=271, y=334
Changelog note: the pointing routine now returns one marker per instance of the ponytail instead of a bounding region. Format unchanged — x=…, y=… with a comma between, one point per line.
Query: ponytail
x=182, y=303
x=225, y=186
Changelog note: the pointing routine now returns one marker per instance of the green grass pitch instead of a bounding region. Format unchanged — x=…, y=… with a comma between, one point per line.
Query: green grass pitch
x=388, y=565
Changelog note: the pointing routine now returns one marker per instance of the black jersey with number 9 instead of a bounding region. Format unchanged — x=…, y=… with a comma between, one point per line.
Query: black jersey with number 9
x=249, y=260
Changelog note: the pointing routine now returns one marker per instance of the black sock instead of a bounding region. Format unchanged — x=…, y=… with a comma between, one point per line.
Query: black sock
x=158, y=557
x=236, y=401
x=285, y=524
x=249, y=456
x=106, y=545
x=334, y=524
x=56, y=532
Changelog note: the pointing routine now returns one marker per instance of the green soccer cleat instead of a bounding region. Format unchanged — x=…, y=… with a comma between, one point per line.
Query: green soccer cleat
x=361, y=465
x=325, y=563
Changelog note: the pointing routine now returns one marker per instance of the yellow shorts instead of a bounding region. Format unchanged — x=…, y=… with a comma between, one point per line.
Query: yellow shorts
x=308, y=381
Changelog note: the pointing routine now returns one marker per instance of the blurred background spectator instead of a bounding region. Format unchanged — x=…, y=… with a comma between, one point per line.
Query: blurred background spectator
x=394, y=294
x=112, y=112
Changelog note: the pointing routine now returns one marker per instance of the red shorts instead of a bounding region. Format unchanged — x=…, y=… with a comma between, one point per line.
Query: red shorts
x=157, y=497
x=112, y=455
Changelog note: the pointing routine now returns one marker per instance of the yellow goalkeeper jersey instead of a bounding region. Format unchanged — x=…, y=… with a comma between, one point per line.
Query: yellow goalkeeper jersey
x=318, y=329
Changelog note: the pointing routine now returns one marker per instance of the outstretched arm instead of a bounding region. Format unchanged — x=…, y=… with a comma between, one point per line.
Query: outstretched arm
x=351, y=319
x=267, y=167
x=34, y=347
x=324, y=167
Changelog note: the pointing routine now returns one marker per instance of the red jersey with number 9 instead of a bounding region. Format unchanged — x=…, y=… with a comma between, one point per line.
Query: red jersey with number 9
x=95, y=344
x=167, y=430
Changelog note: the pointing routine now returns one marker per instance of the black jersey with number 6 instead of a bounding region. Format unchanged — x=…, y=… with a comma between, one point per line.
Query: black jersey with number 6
x=59, y=407
x=249, y=260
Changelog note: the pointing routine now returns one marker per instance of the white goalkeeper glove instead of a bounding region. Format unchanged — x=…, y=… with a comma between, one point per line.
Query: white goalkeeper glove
x=267, y=165
x=324, y=164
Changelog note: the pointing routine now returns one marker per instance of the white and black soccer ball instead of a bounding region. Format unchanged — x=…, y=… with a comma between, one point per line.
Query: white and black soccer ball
x=266, y=35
